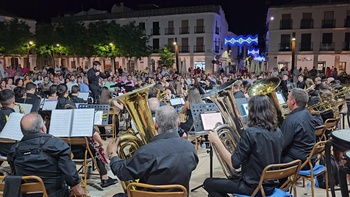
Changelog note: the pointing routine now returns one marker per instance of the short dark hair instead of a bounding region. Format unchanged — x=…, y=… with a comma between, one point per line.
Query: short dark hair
x=6, y=97
x=19, y=92
x=53, y=89
x=262, y=112
x=96, y=63
x=61, y=89
x=30, y=86
x=75, y=89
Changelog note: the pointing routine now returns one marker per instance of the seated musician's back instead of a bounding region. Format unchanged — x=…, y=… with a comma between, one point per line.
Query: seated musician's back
x=158, y=162
x=45, y=156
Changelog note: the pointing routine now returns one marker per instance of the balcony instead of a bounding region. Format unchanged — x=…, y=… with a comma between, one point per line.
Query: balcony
x=346, y=46
x=198, y=29
x=285, y=47
x=306, y=24
x=169, y=31
x=198, y=48
x=286, y=24
x=155, y=49
x=327, y=46
x=184, y=30
x=155, y=32
x=184, y=49
x=217, y=30
x=305, y=47
x=347, y=22
x=328, y=23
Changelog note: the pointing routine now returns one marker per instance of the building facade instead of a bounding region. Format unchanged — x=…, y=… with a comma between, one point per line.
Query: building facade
x=321, y=33
x=198, y=31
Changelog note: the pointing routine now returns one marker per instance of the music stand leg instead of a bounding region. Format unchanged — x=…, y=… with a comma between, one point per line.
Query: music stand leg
x=211, y=167
x=329, y=170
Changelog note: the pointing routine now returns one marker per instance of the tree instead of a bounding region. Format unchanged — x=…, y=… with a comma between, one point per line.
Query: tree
x=14, y=38
x=167, y=58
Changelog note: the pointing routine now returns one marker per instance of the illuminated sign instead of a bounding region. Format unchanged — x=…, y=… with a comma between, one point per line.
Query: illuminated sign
x=259, y=58
x=253, y=51
x=241, y=40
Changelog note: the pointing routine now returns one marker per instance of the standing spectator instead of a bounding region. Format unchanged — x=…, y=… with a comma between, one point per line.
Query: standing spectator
x=335, y=73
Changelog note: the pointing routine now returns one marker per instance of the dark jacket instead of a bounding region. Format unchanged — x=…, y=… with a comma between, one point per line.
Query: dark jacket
x=76, y=99
x=4, y=115
x=62, y=102
x=93, y=79
x=45, y=156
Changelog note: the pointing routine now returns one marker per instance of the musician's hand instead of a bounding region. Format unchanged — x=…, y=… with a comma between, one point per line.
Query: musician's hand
x=113, y=146
x=77, y=190
x=213, y=136
x=97, y=73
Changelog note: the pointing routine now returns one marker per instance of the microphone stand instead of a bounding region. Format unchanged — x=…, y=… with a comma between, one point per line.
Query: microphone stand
x=210, y=151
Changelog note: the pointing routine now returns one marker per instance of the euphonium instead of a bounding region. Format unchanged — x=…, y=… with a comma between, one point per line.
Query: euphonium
x=268, y=87
x=136, y=103
x=229, y=133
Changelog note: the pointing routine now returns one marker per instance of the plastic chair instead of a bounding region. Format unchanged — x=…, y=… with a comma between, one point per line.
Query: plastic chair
x=316, y=170
x=138, y=190
x=275, y=172
x=82, y=141
x=32, y=185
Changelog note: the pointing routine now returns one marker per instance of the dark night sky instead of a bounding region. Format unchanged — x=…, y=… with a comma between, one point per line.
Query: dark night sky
x=243, y=16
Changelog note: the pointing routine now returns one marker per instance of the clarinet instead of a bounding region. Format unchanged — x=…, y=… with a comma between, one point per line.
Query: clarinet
x=99, y=151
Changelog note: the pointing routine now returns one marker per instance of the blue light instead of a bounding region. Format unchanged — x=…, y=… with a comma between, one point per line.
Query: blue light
x=253, y=51
x=259, y=58
x=241, y=40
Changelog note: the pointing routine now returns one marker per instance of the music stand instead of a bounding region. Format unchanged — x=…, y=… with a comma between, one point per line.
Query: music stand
x=98, y=107
x=196, y=111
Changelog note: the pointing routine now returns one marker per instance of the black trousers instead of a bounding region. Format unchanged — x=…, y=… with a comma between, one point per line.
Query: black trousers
x=95, y=90
x=221, y=187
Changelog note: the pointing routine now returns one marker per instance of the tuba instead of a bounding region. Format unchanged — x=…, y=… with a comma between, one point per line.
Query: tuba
x=136, y=103
x=230, y=132
x=268, y=87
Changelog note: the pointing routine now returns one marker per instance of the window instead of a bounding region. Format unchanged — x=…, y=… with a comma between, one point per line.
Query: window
x=347, y=19
x=327, y=38
x=347, y=42
x=328, y=20
x=171, y=46
x=155, y=30
x=286, y=21
x=285, y=44
x=305, y=44
x=306, y=22
x=184, y=29
x=199, y=47
x=184, y=48
x=155, y=45
x=342, y=66
x=199, y=28
x=170, y=29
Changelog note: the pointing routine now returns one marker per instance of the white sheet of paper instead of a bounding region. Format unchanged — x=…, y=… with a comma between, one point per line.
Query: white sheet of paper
x=12, y=128
x=83, y=95
x=60, y=124
x=49, y=105
x=83, y=122
x=280, y=98
x=209, y=120
x=98, y=118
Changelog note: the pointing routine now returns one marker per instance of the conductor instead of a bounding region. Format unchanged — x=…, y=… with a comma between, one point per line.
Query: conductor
x=94, y=75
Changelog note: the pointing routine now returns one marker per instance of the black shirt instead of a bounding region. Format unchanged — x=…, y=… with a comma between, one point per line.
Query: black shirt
x=93, y=79
x=62, y=103
x=299, y=133
x=257, y=148
x=167, y=159
x=53, y=164
x=4, y=115
x=76, y=99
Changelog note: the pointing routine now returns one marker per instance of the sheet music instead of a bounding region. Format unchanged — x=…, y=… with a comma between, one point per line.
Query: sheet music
x=12, y=128
x=25, y=107
x=280, y=98
x=49, y=105
x=83, y=95
x=209, y=120
x=61, y=121
x=98, y=118
x=83, y=122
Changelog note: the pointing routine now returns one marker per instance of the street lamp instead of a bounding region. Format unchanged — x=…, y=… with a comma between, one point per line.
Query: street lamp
x=176, y=55
x=29, y=44
x=293, y=52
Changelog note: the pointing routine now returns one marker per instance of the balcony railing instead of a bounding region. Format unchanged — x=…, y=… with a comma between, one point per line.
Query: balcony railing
x=347, y=22
x=169, y=31
x=155, y=32
x=305, y=47
x=198, y=29
x=217, y=30
x=286, y=24
x=306, y=24
x=184, y=49
x=346, y=46
x=328, y=23
x=285, y=47
x=217, y=49
x=198, y=48
x=155, y=49
x=327, y=46
x=184, y=30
